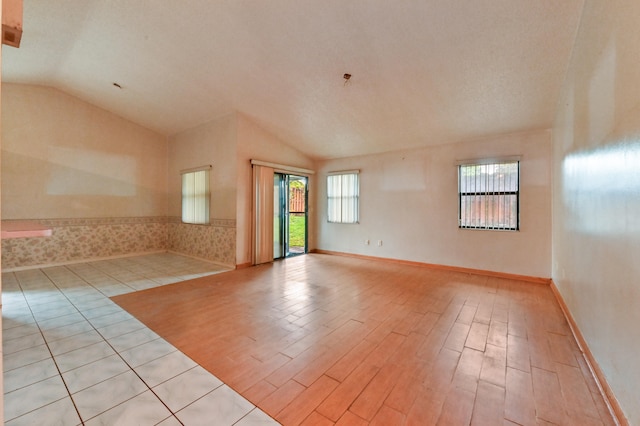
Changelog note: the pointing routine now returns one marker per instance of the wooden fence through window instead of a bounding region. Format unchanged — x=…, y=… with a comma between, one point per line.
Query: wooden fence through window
x=296, y=200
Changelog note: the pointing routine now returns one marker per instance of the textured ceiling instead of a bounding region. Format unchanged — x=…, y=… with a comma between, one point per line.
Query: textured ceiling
x=424, y=72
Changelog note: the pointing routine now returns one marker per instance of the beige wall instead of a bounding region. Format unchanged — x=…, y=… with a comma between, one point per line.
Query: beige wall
x=65, y=158
x=254, y=143
x=228, y=144
x=596, y=205
x=98, y=180
x=408, y=199
x=212, y=143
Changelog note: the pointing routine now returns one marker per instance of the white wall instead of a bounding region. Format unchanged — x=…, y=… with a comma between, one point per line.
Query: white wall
x=596, y=204
x=65, y=158
x=255, y=143
x=408, y=199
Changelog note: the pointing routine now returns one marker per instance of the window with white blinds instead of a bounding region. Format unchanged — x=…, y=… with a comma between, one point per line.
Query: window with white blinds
x=489, y=196
x=196, y=196
x=343, y=193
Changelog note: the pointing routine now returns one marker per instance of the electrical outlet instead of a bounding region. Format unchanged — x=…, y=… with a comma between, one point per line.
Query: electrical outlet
x=367, y=242
x=379, y=243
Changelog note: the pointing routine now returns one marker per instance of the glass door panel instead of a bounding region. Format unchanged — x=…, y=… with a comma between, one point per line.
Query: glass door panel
x=279, y=215
x=297, y=215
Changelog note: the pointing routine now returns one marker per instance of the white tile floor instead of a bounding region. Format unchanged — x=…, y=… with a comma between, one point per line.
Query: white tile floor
x=72, y=356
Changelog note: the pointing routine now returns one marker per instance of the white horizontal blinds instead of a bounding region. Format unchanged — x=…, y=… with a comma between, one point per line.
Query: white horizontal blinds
x=343, y=193
x=334, y=198
x=489, y=195
x=350, y=198
x=195, y=196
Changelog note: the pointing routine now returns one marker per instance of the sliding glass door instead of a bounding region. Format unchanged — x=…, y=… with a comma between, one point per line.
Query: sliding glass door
x=289, y=215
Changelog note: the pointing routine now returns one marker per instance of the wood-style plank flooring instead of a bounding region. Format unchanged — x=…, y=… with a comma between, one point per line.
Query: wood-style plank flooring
x=323, y=340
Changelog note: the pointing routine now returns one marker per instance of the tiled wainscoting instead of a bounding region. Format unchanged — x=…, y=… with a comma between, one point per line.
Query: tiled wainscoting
x=86, y=238
x=215, y=242
x=82, y=239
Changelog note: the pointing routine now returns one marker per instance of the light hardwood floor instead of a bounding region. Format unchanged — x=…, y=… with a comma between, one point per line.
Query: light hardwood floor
x=323, y=340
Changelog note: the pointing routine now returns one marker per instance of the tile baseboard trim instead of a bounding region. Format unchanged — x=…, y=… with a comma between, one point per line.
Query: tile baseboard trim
x=603, y=386
x=219, y=223
x=244, y=265
x=495, y=274
x=93, y=221
x=75, y=262
x=226, y=265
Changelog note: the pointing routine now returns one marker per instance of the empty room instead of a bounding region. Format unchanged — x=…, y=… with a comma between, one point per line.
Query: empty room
x=320, y=212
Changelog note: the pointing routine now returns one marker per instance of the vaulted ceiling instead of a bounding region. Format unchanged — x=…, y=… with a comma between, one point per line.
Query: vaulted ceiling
x=423, y=72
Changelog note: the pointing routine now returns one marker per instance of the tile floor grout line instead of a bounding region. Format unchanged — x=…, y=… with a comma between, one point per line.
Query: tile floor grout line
x=102, y=272
x=107, y=341
x=60, y=291
x=119, y=355
x=64, y=382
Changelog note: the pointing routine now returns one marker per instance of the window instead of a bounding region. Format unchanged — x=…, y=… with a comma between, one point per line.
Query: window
x=489, y=195
x=196, y=195
x=343, y=192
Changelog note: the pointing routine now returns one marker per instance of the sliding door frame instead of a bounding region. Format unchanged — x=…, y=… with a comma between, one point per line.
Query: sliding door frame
x=262, y=209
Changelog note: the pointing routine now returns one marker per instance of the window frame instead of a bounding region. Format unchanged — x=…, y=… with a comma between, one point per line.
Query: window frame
x=193, y=197
x=343, y=198
x=486, y=194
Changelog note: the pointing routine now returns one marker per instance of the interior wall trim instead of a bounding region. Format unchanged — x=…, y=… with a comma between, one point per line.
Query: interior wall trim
x=91, y=221
x=219, y=223
x=121, y=256
x=203, y=259
x=526, y=278
x=281, y=168
x=75, y=262
x=603, y=386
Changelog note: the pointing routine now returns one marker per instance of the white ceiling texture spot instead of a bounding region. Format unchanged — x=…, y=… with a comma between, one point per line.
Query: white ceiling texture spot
x=424, y=72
